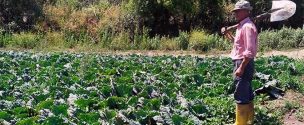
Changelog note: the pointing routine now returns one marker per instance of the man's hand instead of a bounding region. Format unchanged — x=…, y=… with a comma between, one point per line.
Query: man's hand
x=227, y=34
x=224, y=30
x=239, y=72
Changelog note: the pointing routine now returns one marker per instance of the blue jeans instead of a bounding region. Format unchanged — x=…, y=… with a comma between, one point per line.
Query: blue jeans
x=243, y=93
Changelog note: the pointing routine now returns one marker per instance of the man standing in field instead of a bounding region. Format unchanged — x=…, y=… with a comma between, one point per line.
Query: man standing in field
x=244, y=50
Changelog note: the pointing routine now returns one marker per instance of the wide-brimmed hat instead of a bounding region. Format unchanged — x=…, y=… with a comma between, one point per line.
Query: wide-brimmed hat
x=242, y=5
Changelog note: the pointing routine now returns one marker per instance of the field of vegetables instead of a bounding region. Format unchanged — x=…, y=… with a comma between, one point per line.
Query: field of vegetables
x=67, y=88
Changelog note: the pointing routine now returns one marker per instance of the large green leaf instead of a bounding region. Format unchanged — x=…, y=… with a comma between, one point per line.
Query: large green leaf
x=89, y=118
x=4, y=115
x=60, y=109
x=45, y=104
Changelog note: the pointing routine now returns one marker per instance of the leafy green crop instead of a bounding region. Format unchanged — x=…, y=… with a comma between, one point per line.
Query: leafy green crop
x=61, y=88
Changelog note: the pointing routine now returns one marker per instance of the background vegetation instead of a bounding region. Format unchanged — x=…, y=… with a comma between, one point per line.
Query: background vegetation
x=135, y=24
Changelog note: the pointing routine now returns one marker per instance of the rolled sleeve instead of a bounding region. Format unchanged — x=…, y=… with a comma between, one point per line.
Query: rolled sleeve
x=250, y=42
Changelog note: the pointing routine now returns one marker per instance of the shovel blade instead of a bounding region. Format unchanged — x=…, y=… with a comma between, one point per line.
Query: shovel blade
x=285, y=9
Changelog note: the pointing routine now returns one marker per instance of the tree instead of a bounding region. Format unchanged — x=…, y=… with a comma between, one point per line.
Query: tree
x=19, y=14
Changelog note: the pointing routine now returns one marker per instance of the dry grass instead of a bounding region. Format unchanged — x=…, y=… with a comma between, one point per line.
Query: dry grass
x=57, y=14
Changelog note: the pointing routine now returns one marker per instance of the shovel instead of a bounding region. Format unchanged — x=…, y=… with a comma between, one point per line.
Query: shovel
x=280, y=10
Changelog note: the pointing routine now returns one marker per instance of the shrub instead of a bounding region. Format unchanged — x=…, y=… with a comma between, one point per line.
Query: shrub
x=53, y=40
x=199, y=41
x=94, y=19
x=221, y=43
x=72, y=38
x=121, y=42
x=183, y=40
x=105, y=37
x=25, y=40
x=71, y=4
x=169, y=44
x=299, y=37
x=196, y=39
x=4, y=39
x=150, y=43
x=285, y=38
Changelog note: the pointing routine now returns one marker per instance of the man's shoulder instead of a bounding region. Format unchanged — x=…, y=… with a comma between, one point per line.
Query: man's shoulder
x=249, y=25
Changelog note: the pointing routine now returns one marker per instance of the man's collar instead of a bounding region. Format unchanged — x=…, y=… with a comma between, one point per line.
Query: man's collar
x=244, y=21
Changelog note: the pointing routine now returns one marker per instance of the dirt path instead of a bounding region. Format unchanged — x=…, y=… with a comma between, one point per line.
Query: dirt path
x=292, y=105
x=291, y=118
x=295, y=53
x=295, y=115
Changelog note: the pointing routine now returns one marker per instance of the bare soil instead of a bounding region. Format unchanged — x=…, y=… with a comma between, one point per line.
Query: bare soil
x=290, y=117
x=295, y=53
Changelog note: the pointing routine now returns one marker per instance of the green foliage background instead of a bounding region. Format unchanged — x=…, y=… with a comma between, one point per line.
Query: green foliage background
x=128, y=24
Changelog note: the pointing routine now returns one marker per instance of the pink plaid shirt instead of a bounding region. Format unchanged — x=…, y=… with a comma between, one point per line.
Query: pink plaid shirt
x=245, y=41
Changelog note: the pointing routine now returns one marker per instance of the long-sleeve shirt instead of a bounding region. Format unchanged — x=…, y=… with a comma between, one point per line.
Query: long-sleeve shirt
x=245, y=41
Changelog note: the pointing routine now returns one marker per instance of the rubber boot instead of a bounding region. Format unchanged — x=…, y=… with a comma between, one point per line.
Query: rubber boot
x=241, y=114
x=250, y=113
